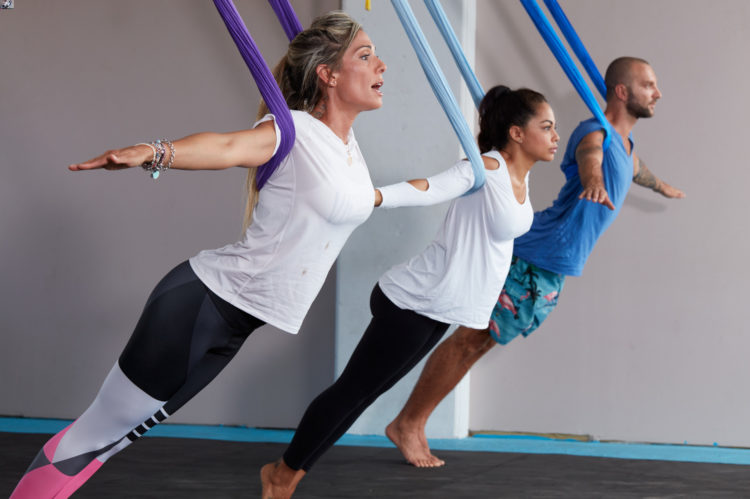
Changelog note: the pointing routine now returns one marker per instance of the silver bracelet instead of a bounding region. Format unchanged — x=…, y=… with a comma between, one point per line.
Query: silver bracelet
x=171, y=155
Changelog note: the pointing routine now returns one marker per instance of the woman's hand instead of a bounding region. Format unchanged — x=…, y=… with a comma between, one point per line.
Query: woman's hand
x=117, y=159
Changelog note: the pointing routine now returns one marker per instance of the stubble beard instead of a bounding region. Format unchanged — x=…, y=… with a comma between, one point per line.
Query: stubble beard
x=638, y=110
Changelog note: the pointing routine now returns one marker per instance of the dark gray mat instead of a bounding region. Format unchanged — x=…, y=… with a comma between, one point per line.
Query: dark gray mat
x=206, y=469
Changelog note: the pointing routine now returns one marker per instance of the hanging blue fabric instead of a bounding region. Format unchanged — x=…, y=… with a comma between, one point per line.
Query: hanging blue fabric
x=441, y=21
x=577, y=45
x=562, y=56
x=287, y=17
x=441, y=89
x=266, y=83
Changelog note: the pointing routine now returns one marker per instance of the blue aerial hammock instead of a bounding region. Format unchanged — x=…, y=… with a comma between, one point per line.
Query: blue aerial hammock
x=441, y=20
x=441, y=89
x=262, y=75
x=577, y=45
x=445, y=28
x=563, y=58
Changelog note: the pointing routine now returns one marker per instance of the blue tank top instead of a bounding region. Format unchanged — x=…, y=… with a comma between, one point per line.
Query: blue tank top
x=562, y=236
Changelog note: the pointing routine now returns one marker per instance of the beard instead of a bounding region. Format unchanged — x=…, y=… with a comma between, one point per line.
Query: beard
x=637, y=109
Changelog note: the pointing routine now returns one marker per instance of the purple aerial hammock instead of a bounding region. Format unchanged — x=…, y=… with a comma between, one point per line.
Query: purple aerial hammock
x=262, y=75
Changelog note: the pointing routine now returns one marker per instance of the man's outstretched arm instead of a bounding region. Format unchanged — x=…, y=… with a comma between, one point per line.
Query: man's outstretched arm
x=589, y=156
x=643, y=176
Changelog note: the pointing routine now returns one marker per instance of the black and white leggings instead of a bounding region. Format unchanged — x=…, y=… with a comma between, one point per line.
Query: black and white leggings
x=184, y=338
x=394, y=342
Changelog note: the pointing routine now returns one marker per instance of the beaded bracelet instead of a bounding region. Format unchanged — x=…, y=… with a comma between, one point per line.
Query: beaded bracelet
x=156, y=166
x=153, y=159
x=160, y=151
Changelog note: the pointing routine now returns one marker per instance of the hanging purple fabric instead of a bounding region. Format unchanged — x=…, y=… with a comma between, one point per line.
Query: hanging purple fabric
x=265, y=82
x=287, y=17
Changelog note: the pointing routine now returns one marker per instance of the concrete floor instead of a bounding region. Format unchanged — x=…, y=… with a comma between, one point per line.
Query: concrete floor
x=207, y=469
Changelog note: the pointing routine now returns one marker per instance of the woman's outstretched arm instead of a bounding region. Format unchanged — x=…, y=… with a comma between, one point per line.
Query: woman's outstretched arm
x=439, y=188
x=201, y=151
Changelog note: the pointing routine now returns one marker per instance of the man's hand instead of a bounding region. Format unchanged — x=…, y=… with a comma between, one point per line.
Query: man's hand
x=598, y=194
x=668, y=191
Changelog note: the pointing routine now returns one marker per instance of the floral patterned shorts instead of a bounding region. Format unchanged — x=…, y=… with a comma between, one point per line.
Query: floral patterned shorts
x=528, y=296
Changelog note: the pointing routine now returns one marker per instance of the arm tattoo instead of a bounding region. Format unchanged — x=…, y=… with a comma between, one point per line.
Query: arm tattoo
x=588, y=157
x=646, y=178
x=586, y=149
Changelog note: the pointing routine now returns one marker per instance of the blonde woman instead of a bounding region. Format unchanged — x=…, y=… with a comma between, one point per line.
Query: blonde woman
x=202, y=311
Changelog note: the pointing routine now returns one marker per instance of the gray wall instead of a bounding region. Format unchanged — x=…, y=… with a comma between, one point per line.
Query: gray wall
x=650, y=344
x=81, y=251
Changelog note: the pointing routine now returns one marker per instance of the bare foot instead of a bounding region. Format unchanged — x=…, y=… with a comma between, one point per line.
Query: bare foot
x=279, y=480
x=413, y=445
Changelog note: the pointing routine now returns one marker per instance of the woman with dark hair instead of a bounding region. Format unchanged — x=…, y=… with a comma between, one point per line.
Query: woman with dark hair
x=203, y=310
x=455, y=280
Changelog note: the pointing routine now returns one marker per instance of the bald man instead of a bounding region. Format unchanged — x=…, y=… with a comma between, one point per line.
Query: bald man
x=558, y=244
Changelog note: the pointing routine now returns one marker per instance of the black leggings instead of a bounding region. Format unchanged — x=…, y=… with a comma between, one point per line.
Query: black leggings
x=394, y=342
x=186, y=335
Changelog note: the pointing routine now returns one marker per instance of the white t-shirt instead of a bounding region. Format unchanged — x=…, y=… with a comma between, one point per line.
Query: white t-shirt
x=305, y=213
x=458, y=277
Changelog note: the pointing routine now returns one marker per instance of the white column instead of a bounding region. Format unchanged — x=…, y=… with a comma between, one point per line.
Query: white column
x=409, y=137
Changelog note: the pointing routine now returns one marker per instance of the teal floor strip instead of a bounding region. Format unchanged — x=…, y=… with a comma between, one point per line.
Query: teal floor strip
x=481, y=443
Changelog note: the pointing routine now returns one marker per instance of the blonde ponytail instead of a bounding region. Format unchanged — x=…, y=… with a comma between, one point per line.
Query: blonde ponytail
x=324, y=42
